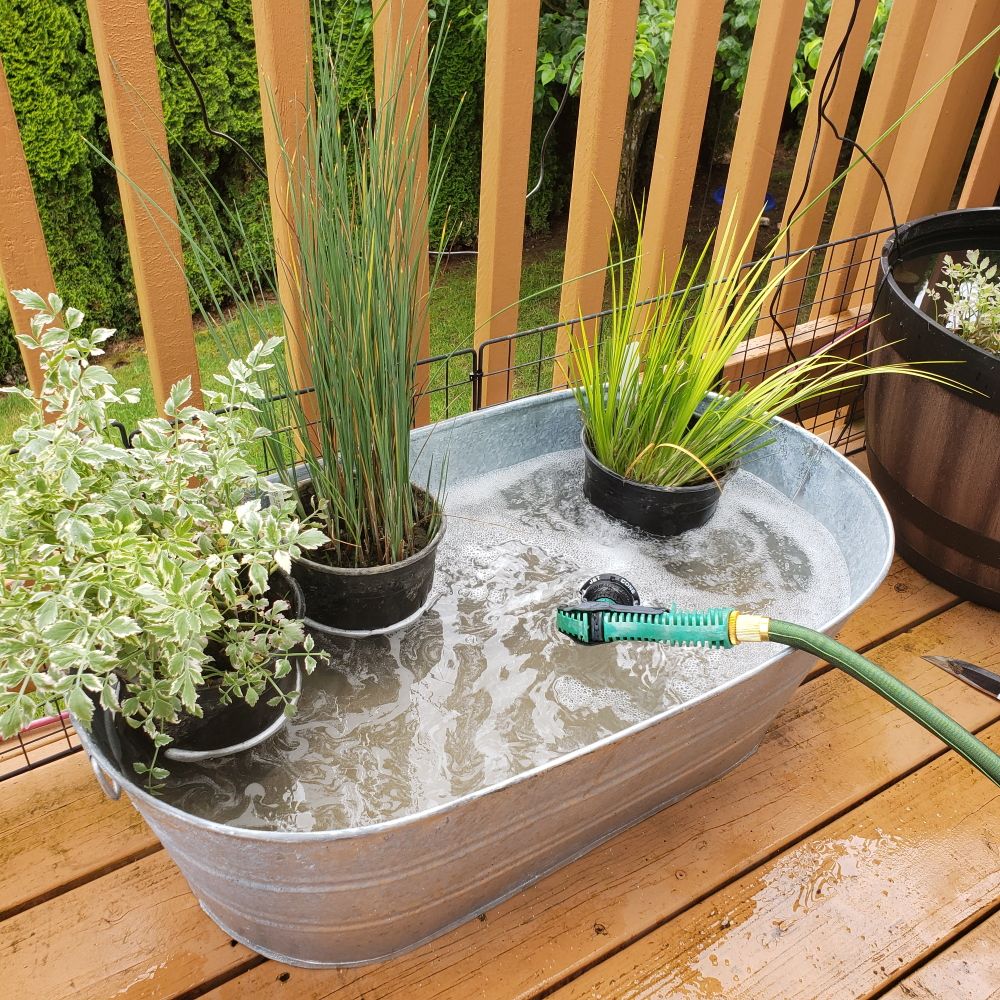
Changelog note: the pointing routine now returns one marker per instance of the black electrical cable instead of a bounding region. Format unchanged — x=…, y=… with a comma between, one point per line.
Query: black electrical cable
x=825, y=94
x=552, y=125
x=168, y=7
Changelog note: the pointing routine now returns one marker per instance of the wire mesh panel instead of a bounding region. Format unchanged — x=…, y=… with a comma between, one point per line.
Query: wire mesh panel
x=784, y=336
x=452, y=383
x=45, y=741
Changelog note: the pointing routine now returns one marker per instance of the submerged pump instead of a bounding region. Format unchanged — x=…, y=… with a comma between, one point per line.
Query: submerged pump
x=610, y=610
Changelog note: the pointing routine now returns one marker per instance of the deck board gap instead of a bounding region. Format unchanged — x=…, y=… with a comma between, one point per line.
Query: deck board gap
x=55, y=891
x=237, y=970
x=932, y=953
x=822, y=669
x=908, y=627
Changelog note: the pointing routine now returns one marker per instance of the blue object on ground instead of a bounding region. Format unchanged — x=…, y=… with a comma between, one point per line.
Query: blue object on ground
x=720, y=192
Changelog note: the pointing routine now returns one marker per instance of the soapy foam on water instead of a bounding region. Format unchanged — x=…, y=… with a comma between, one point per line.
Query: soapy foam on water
x=484, y=686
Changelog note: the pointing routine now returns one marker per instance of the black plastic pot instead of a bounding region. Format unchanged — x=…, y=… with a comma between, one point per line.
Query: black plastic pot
x=660, y=510
x=234, y=727
x=222, y=729
x=932, y=449
x=368, y=601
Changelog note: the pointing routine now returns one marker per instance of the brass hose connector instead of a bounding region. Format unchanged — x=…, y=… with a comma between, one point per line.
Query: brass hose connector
x=748, y=628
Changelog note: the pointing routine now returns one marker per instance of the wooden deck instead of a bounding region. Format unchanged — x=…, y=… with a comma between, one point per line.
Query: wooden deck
x=849, y=857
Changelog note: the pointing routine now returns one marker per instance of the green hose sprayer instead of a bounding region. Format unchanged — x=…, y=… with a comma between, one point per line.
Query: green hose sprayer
x=610, y=611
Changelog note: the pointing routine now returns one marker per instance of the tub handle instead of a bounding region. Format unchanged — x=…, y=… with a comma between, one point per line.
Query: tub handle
x=109, y=786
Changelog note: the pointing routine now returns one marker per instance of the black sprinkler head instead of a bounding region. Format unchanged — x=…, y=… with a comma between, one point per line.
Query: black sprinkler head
x=610, y=587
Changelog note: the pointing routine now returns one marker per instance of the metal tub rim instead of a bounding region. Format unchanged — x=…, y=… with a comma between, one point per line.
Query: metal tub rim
x=384, y=826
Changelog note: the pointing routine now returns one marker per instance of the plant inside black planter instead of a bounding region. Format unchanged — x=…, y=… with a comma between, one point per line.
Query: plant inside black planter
x=140, y=580
x=355, y=301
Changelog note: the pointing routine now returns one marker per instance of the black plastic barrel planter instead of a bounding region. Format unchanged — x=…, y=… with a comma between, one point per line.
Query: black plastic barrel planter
x=934, y=451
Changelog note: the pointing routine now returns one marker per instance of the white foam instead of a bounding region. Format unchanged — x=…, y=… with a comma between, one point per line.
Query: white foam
x=484, y=686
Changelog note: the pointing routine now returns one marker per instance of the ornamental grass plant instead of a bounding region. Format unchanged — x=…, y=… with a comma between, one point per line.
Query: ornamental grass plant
x=653, y=397
x=353, y=307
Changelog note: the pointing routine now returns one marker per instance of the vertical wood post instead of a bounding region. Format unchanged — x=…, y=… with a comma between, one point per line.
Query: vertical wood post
x=511, y=43
x=933, y=141
x=24, y=260
x=607, y=70
x=401, y=52
x=983, y=180
x=283, y=40
x=771, y=60
x=805, y=232
x=682, y=119
x=904, y=36
x=126, y=62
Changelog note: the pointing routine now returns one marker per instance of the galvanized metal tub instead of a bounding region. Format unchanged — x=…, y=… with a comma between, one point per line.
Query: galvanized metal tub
x=346, y=897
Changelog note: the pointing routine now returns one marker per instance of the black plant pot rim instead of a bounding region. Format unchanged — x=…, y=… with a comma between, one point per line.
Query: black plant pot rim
x=371, y=576
x=718, y=483
x=177, y=753
x=375, y=570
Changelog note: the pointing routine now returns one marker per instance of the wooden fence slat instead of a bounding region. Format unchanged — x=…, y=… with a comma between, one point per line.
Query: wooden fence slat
x=283, y=41
x=904, y=35
x=983, y=179
x=821, y=165
x=24, y=259
x=401, y=52
x=922, y=160
x=768, y=77
x=126, y=63
x=511, y=43
x=682, y=119
x=933, y=141
x=607, y=70
x=823, y=918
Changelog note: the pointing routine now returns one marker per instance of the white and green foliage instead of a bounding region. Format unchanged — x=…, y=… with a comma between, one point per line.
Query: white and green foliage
x=968, y=299
x=644, y=385
x=125, y=568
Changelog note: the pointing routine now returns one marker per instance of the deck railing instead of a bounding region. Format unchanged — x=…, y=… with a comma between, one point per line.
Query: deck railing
x=923, y=160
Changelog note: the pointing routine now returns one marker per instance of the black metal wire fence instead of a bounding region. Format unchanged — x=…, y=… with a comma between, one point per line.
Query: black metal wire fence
x=821, y=317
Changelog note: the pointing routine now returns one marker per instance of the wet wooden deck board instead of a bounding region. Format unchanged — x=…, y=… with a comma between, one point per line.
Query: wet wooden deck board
x=849, y=856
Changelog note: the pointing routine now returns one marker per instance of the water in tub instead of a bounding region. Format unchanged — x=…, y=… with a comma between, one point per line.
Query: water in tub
x=484, y=687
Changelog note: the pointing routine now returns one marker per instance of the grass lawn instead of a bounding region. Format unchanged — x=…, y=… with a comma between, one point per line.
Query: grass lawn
x=452, y=321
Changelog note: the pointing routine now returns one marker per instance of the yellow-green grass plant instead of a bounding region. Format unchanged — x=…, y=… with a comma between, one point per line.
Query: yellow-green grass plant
x=655, y=405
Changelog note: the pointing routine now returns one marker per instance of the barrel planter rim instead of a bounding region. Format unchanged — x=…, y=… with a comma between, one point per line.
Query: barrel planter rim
x=930, y=341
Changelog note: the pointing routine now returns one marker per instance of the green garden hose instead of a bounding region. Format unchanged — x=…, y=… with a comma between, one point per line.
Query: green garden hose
x=918, y=708
x=611, y=612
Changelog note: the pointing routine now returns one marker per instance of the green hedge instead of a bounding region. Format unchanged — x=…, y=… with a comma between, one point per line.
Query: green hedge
x=49, y=61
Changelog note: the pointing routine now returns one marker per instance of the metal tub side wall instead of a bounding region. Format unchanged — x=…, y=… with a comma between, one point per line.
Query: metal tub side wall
x=353, y=896
x=356, y=899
